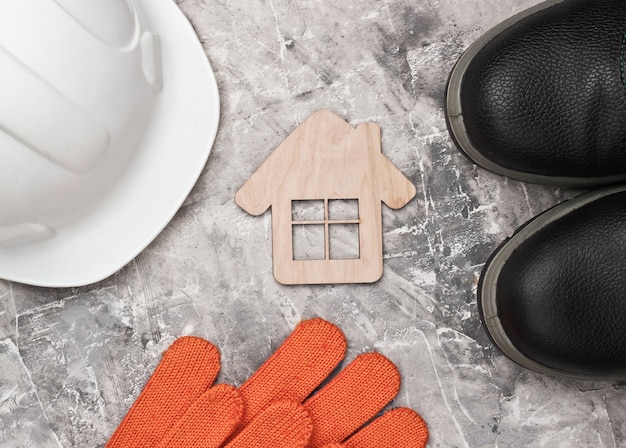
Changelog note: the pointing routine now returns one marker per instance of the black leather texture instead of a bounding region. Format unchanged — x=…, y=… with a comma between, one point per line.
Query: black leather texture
x=561, y=296
x=547, y=96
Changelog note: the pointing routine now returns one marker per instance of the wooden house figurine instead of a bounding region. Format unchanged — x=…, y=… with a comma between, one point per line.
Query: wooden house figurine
x=323, y=163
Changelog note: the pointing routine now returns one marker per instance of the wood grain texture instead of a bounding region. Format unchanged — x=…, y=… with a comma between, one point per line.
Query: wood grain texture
x=326, y=159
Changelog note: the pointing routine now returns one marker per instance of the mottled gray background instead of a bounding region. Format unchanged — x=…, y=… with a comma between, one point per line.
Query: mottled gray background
x=74, y=360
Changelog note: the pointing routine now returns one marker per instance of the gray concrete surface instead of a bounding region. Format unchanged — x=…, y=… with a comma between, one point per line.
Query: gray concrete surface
x=72, y=361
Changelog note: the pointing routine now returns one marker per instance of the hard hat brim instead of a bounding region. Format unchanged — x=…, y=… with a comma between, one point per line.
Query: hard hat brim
x=167, y=165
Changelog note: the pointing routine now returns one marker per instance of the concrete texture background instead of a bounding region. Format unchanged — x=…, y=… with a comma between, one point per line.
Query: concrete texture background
x=73, y=360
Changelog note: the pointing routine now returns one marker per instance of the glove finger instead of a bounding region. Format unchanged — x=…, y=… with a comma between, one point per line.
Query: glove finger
x=352, y=398
x=296, y=368
x=284, y=424
x=187, y=369
x=400, y=427
x=209, y=421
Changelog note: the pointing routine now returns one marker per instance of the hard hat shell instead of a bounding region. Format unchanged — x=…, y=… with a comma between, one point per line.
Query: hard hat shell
x=108, y=111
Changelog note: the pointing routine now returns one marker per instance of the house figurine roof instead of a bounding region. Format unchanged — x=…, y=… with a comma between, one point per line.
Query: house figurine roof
x=325, y=159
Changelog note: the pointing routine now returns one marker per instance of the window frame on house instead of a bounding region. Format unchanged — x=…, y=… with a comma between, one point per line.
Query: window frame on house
x=327, y=222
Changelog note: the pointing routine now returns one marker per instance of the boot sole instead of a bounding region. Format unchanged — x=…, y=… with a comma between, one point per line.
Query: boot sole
x=487, y=285
x=456, y=125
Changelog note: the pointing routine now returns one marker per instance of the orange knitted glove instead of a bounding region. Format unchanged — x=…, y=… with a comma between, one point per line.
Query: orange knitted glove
x=184, y=374
x=400, y=427
x=178, y=408
x=268, y=410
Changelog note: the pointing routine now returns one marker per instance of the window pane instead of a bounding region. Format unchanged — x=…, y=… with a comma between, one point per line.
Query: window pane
x=308, y=242
x=307, y=210
x=343, y=209
x=344, y=241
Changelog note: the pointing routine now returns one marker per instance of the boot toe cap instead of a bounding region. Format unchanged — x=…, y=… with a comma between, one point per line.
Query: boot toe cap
x=558, y=296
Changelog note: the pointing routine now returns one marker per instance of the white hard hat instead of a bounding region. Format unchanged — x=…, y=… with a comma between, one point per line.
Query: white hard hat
x=108, y=111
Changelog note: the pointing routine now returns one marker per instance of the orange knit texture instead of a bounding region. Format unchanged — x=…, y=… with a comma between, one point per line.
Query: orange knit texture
x=208, y=422
x=296, y=368
x=284, y=424
x=279, y=406
x=187, y=369
x=353, y=397
x=400, y=427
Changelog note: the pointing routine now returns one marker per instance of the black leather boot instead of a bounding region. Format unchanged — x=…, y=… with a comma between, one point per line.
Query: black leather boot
x=553, y=296
x=542, y=96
